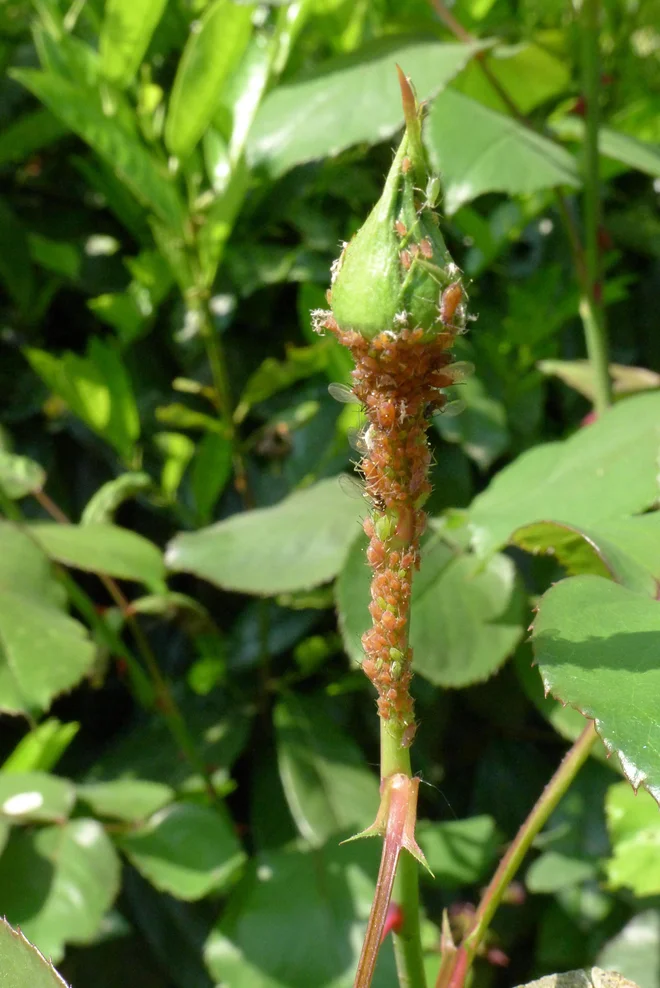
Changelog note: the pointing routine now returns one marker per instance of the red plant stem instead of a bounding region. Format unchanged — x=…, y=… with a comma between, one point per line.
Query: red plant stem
x=574, y=759
x=397, y=814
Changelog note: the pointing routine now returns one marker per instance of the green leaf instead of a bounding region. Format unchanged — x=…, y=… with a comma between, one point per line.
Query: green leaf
x=125, y=799
x=43, y=652
x=459, y=852
x=528, y=72
x=186, y=850
x=15, y=261
x=101, y=507
x=349, y=100
x=298, y=919
x=494, y=153
x=58, y=882
x=596, y=644
x=640, y=155
x=19, y=475
x=634, y=826
x=593, y=978
x=603, y=471
x=582, y=551
x=117, y=146
x=28, y=134
x=210, y=472
x=125, y=35
x=22, y=965
x=465, y=616
x=213, y=50
x=297, y=544
x=100, y=548
x=96, y=388
x=481, y=428
x=42, y=748
x=635, y=950
x=326, y=782
x=578, y=374
x=554, y=871
x=35, y=796
x=274, y=375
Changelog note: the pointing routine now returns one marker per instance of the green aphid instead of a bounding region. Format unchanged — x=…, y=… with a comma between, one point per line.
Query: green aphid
x=396, y=655
x=384, y=527
x=395, y=670
x=432, y=192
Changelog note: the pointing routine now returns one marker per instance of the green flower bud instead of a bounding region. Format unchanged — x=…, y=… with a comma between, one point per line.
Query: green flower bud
x=392, y=274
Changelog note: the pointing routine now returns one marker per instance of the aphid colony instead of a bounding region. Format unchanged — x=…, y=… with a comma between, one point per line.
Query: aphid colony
x=398, y=379
x=396, y=273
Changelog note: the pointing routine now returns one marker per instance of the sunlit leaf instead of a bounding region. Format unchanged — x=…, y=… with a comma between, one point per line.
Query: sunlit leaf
x=350, y=100
x=212, y=51
x=602, y=472
x=125, y=34
x=477, y=150
x=58, y=882
x=186, y=850
x=101, y=548
x=26, y=796
x=634, y=826
x=43, y=652
x=596, y=645
x=297, y=544
x=23, y=966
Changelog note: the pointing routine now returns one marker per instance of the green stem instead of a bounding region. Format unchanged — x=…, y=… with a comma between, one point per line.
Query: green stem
x=591, y=308
x=510, y=863
x=407, y=941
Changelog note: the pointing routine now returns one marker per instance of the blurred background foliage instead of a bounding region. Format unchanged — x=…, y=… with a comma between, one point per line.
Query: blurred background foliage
x=186, y=733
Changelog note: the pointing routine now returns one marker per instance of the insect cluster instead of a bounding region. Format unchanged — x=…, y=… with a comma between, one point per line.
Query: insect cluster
x=398, y=304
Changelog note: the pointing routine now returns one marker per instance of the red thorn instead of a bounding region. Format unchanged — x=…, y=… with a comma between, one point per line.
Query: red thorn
x=393, y=920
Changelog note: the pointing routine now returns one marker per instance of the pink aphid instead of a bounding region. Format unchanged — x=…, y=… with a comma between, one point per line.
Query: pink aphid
x=449, y=302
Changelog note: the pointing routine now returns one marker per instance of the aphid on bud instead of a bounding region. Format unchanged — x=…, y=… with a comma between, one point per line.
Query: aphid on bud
x=450, y=300
x=432, y=192
x=384, y=526
x=386, y=414
x=376, y=553
x=395, y=670
x=389, y=621
x=400, y=228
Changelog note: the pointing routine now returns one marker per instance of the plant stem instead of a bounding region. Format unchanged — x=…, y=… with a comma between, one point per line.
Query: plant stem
x=407, y=941
x=508, y=866
x=591, y=308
